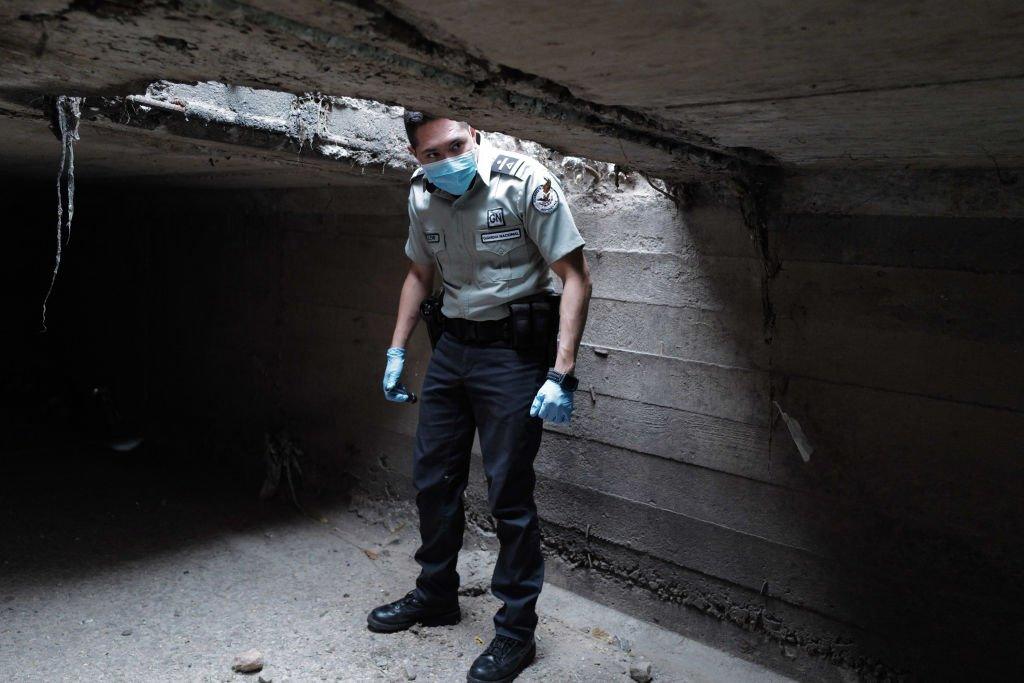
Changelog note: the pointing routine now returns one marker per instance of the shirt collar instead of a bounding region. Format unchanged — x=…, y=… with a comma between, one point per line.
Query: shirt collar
x=484, y=159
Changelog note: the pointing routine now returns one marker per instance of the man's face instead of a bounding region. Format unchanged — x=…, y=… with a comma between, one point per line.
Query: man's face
x=442, y=138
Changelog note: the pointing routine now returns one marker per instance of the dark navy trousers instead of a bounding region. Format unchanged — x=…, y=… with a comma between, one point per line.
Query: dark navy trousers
x=488, y=388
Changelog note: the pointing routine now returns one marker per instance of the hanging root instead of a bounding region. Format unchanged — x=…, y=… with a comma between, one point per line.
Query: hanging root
x=67, y=113
x=680, y=194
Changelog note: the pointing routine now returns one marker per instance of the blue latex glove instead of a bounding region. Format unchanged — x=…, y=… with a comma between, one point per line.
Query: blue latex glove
x=552, y=403
x=393, y=389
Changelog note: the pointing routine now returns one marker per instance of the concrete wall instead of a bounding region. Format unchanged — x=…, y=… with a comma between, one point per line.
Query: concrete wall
x=676, y=492
x=895, y=346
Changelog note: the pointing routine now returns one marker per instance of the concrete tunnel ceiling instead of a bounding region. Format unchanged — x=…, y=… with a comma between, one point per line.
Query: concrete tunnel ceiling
x=212, y=134
x=683, y=91
x=216, y=135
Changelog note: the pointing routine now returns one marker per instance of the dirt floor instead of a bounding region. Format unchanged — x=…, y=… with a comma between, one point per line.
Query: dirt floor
x=111, y=571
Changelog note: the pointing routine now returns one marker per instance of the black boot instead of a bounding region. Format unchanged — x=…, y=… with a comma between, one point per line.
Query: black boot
x=502, y=661
x=408, y=611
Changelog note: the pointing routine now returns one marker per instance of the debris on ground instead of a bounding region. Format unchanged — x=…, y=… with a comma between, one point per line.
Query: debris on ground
x=248, y=662
x=640, y=671
x=473, y=590
x=410, y=672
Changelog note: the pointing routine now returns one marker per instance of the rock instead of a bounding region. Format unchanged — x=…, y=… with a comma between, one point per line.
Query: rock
x=126, y=632
x=640, y=672
x=410, y=672
x=248, y=662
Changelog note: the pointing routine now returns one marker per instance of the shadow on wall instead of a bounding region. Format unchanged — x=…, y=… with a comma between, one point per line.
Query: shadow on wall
x=170, y=301
x=226, y=313
x=893, y=547
x=894, y=343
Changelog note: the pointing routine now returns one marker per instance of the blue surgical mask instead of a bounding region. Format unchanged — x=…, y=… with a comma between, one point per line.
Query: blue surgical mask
x=453, y=175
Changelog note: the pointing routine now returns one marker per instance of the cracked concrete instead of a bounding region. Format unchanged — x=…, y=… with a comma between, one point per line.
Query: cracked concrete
x=725, y=88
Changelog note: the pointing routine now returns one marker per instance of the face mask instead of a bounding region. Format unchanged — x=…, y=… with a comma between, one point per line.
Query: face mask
x=453, y=175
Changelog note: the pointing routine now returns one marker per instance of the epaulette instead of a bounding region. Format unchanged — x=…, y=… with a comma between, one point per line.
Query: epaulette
x=506, y=164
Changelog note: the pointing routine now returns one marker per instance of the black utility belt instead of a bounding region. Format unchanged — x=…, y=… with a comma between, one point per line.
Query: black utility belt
x=532, y=324
x=478, y=331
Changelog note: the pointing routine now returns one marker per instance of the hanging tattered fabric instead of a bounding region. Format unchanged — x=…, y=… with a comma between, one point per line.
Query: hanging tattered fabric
x=803, y=444
x=66, y=114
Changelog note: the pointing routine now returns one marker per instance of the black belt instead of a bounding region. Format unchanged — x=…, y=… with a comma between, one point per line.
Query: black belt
x=479, y=331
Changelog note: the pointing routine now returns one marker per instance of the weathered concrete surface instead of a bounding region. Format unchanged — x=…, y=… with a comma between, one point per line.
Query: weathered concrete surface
x=993, y=191
x=361, y=132
x=355, y=49
x=152, y=581
x=174, y=133
x=679, y=90
x=829, y=83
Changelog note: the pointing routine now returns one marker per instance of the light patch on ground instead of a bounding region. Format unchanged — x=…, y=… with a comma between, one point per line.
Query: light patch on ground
x=298, y=590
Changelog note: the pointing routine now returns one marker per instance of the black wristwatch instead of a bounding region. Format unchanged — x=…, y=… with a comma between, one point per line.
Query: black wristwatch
x=563, y=379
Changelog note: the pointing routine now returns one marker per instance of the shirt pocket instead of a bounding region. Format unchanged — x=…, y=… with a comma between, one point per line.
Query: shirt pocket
x=502, y=253
x=436, y=244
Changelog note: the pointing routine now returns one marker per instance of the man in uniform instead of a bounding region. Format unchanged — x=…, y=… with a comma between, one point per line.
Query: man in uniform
x=495, y=225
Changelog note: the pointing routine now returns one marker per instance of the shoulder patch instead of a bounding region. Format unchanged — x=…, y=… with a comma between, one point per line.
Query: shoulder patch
x=508, y=165
x=544, y=198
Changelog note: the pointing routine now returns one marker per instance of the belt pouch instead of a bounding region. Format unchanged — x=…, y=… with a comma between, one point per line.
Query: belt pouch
x=522, y=325
x=535, y=325
x=540, y=328
x=430, y=311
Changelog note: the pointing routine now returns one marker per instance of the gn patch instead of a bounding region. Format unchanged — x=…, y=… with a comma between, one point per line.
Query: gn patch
x=495, y=218
x=501, y=235
x=433, y=237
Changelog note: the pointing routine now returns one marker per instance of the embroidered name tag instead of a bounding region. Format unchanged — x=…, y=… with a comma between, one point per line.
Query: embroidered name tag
x=501, y=235
x=433, y=237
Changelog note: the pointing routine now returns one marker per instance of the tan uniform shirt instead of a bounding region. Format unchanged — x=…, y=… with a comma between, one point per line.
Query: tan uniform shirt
x=494, y=243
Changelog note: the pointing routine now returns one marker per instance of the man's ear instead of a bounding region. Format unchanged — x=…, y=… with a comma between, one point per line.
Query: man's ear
x=412, y=151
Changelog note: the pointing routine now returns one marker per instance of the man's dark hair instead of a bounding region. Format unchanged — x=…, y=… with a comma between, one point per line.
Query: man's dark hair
x=415, y=119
